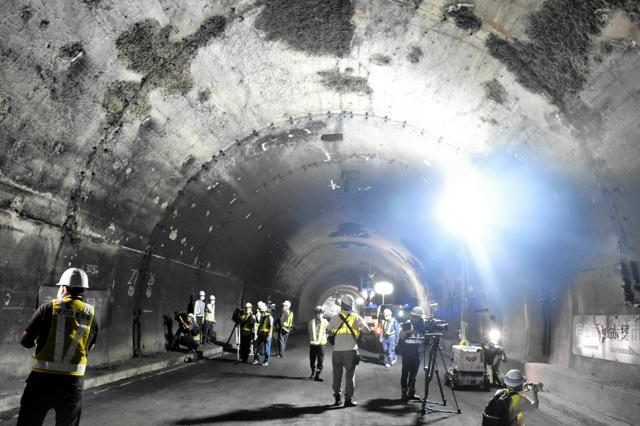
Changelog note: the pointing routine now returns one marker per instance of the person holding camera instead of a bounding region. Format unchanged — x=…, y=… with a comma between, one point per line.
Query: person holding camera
x=187, y=334
x=247, y=322
x=345, y=329
x=509, y=405
x=412, y=341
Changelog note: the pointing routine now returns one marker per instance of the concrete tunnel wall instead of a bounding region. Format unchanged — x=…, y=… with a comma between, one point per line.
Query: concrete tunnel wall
x=212, y=146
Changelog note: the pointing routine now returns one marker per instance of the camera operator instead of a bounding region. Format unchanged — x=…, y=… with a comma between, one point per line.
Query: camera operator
x=412, y=341
x=247, y=322
x=187, y=331
x=516, y=396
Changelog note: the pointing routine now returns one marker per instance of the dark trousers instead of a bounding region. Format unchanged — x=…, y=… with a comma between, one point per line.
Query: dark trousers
x=245, y=344
x=207, y=332
x=316, y=357
x=282, y=342
x=200, y=321
x=46, y=391
x=410, y=367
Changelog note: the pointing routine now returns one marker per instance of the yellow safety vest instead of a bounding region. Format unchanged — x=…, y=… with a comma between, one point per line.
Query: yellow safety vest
x=266, y=326
x=210, y=316
x=286, y=325
x=247, y=326
x=387, y=326
x=65, y=351
x=516, y=417
x=343, y=329
x=318, y=337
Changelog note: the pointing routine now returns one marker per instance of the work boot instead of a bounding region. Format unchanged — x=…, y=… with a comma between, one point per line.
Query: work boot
x=413, y=396
x=317, y=377
x=338, y=401
x=350, y=403
x=313, y=373
x=404, y=396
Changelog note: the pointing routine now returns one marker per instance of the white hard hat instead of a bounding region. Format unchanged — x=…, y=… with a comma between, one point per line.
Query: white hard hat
x=286, y=303
x=318, y=309
x=212, y=297
x=386, y=312
x=347, y=302
x=202, y=293
x=248, y=305
x=417, y=311
x=74, y=278
x=514, y=378
x=191, y=315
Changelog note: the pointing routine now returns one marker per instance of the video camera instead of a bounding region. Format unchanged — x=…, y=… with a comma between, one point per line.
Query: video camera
x=435, y=325
x=236, y=316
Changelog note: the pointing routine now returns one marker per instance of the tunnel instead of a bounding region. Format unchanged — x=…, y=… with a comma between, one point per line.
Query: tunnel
x=303, y=149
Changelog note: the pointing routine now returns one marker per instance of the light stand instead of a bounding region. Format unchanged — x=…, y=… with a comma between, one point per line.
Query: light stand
x=430, y=352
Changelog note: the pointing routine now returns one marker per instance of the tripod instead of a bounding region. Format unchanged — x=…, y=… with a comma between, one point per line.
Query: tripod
x=236, y=331
x=430, y=352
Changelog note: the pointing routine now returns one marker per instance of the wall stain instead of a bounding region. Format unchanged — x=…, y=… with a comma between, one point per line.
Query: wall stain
x=344, y=82
x=495, y=91
x=319, y=27
x=463, y=15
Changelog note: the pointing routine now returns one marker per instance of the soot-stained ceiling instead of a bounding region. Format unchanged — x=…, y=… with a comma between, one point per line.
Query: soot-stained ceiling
x=292, y=142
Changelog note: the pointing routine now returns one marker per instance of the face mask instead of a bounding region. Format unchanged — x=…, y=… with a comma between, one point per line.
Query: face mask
x=201, y=297
x=59, y=296
x=319, y=316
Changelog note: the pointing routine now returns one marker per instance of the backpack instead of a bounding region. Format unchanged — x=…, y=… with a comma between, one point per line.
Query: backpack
x=496, y=413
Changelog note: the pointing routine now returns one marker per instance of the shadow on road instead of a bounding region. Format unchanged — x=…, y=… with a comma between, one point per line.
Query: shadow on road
x=270, y=412
x=258, y=374
x=390, y=406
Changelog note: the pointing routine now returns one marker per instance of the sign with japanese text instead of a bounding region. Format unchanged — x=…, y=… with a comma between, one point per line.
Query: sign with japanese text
x=609, y=337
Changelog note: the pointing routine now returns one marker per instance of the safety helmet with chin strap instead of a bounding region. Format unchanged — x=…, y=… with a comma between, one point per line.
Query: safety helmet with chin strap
x=514, y=378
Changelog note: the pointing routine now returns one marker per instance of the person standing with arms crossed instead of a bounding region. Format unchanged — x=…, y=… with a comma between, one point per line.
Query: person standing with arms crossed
x=389, y=338
x=63, y=331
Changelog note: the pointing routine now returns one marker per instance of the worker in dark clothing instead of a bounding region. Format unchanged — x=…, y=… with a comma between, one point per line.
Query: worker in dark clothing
x=247, y=322
x=284, y=327
x=187, y=334
x=63, y=331
x=412, y=338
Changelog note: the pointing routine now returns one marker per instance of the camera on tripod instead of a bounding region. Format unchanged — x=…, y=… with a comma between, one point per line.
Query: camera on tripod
x=236, y=317
x=435, y=325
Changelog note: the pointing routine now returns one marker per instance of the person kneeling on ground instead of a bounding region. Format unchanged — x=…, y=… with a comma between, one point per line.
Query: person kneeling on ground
x=515, y=400
x=187, y=332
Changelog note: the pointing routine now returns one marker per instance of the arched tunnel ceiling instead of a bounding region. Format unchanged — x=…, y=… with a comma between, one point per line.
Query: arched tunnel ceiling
x=245, y=136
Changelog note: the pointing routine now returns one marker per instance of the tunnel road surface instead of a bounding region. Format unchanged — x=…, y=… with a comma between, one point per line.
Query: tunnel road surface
x=220, y=392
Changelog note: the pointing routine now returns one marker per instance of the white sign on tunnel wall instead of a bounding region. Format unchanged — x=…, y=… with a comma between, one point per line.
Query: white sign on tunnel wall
x=609, y=337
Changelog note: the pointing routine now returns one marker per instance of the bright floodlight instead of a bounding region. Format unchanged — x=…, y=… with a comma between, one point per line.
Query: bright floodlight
x=466, y=203
x=383, y=287
x=359, y=300
x=494, y=336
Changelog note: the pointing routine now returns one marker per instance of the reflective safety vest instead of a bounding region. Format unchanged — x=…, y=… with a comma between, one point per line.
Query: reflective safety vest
x=287, y=322
x=516, y=417
x=210, y=313
x=387, y=328
x=343, y=329
x=266, y=324
x=318, y=335
x=65, y=351
x=247, y=324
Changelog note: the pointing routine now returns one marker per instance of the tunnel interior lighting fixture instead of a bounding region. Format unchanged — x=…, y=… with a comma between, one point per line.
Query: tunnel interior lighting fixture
x=359, y=301
x=383, y=288
x=494, y=336
x=465, y=206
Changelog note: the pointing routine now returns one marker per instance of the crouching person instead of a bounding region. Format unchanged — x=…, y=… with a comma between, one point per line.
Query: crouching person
x=317, y=342
x=508, y=405
x=188, y=332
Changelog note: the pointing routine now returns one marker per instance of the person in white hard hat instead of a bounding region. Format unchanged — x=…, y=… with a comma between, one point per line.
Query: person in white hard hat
x=317, y=341
x=208, y=335
x=412, y=337
x=519, y=402
x=247, y=322
x=188, y=334
x=65, y=330
x=345, y=327
x=284, y=326
x=198, y=311
x=389, y=337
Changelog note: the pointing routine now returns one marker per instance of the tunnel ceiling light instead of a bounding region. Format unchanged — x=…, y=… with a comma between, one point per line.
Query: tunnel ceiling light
x=494, y=336
x=360, y=301
x=383, y=287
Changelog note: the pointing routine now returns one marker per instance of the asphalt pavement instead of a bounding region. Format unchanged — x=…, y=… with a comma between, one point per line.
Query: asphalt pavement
x=218, y=391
